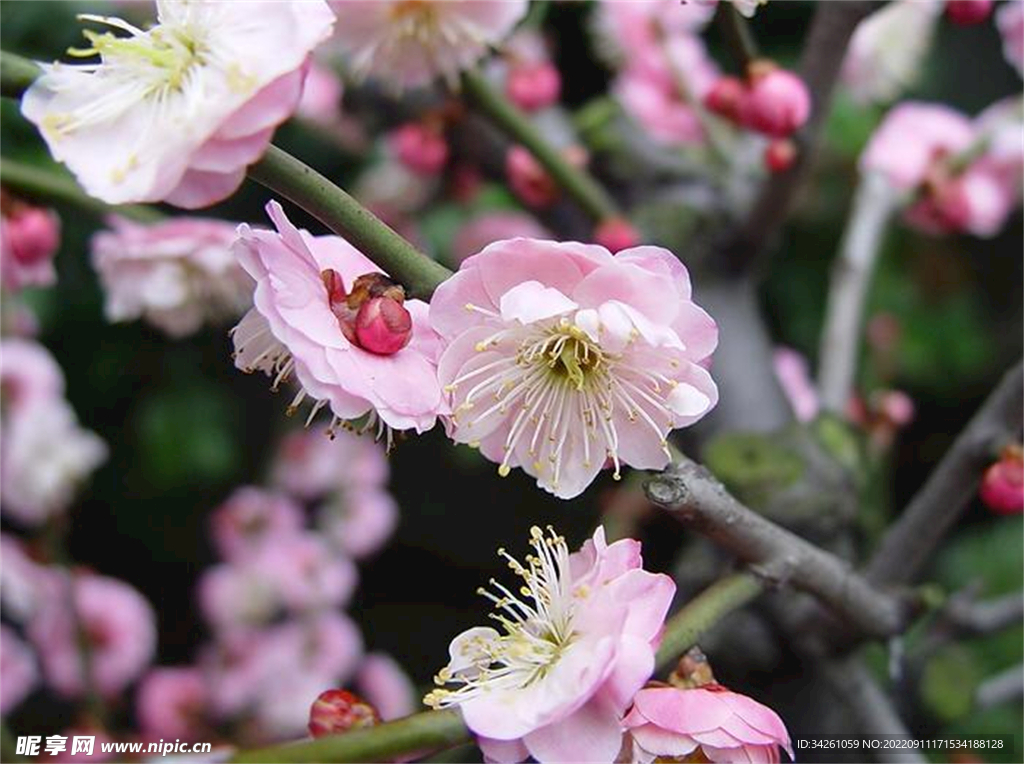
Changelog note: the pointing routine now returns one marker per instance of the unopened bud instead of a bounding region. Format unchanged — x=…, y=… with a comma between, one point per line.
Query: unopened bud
x=337, y=711
x=1002, y=487
x=779, y=155
x=420, y=147
x=776, y=102
x=615, y=234
x=533, y=86
x=528, y=179
x=967, y=12
x=724, y=97
x=383, y=326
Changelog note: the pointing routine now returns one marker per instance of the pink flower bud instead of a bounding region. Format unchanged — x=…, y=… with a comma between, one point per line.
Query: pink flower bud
x=776, y=103
x=896, y=406
x=31, y=236
x=779, y=155
x=1002, y=487
x=533, y=86
x=943, y=208
x=421, y=148
x=616, y=234
x=528, y=179
x=724, y=97
x=967, y=12
x=337, y=711
x=383, y=326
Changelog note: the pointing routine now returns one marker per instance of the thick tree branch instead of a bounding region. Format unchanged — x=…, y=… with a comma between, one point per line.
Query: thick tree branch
x=852, y=271
x=773, y=553
x=911, y=540
x=819, y=67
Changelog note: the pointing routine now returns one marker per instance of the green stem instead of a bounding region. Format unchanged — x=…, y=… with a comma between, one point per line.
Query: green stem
x=686, y=627
x=16, y=74
x=332, y=206
x=587, y=193
x=52, y=184
x=427, y=731
x=8, y=746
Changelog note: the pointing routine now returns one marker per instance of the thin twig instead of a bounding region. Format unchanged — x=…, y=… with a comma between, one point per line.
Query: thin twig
x=1005, y=687
x=970, y=618
x=736, y=33
x=852, y=271
x=773, y=553
x=16, y=74
x=915, y=535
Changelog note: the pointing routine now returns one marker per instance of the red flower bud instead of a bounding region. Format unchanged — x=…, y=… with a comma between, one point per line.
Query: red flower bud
x=528, y=179
x=1002, y=487
x=533, y=86
x=724, y=97
x=337, y=711
x=776, y=102
x=615, y=234
x=967, y=12
x=779, y=155
x=383, y=326
x=421, y=148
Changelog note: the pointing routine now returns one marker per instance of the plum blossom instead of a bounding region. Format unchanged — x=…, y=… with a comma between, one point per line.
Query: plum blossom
x=321, y=95
x=29, y=375
x=299, y=326
x=176, y=113
x=795, y=380
x=409, y=44
x=176, y=274
x=29, y=238
x=386, y=686
x=358, y=520
x=18, y=671
x=560, y=356
x=1010, y=21
x=624, y=30
x=118, y=622
x=23, y=582
x=724, y=726
x=489, y=227
x=252, y=518
x=577, y=644
x=171, y=702
x=309, y=464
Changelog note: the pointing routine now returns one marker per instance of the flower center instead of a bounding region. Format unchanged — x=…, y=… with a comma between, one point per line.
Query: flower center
x=569, y=354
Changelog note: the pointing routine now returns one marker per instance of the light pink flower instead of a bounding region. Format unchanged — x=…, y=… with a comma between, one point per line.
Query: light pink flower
x=533, y=86
x=420, y=146
x=357, y=520
x=29, y=375
x=578, y=643
x=627, y=29
x=177, y=274
x=794, y=378
x=1010, y=20
x=411, y=44
x=19, y=674
x=29, y=238
x=560, y=356
x=310, y=464
x=293, y=329
x=23, y=582
x=252, y=518
x=321, y=95
x=724, y=725
x=386, y=686
x=177, y=112
x=489, y=227
x=909, y=140
x=171, y=702
x=118, y=622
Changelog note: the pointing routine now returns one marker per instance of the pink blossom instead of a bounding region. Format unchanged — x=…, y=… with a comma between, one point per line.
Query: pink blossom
x=1010, y=20
x=359, y=521
x=528, y=179
x=177, y=112
x=97, y=755
x=724, y=725
x=420, y=147
x=171, y=702
x=310, y=464
x=532, y=87
x=23, y=582
x=29, y=238
x=18, y=672
x=794, y=378
x=386, y=686
x=779, y=155
x=118, y=622
x=29, y=375
x=1002, y=486
x=911, y=137
x=616, y=233
x=252, y=518
x=625, y=29
x=321, y=95
x=176, y=274
x=489, y=227
x=410, y=44
x=776, y=103
x=292, y=329
x=575, y=651
x=561, y=355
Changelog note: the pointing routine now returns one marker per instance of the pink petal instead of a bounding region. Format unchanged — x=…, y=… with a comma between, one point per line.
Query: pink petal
x=592, y=733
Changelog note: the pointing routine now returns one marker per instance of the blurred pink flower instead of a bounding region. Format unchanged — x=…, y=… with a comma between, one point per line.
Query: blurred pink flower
x=615, y=234
x=29, y=238
x=177, y=274
x=336, y=711
x=560, y=356
x=575, y=651
x=292, y=329
x=118, y=622
x=359, y=521
x=492, y=226
x=410, y=44
x=1010, y=20
x=97, y=755
x=967, y=12
x=310, y=464
x=1002, y=486
x=29, y=375
x=252, y=518
x=775, y=103
x=23, y=582
x=667, y=722
x=321, y=95
x=19, y=674
x=386, y=686
x=171, y=703
x=528, y=178
x=627, y=29
x=421, y=147
x=792, y=372
x=533, y=86
x=177, y=112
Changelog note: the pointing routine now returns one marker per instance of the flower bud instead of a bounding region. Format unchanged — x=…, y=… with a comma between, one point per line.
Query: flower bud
x=1002, y=487
x=967, y=12
x=31, y=236
x=615, y=234
x=779, y=155
x=776, y=102
x=533, y=86
x=337, y=711
x=420, y=147
x=383, y=326
x=724, y=97
x=528, y=179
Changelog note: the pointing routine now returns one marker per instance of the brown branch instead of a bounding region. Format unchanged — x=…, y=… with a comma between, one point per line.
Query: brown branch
x=1005, y=687
x=773, y=553
x=970, y=618
x=819, y=68
x=936, y=506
